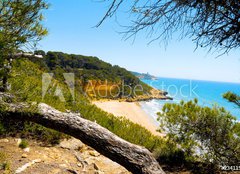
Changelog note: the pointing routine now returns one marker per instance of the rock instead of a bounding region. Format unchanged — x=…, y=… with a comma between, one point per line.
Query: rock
x=82, y=163
x=94, y=153
x=88, y=148
x=72, y=171
x=26, y=149
x=89, y=160
x=63, y=165
x=55, y=171
x=27, y=165
x=24, y=155
x=71, y=144
x=46, y=149
x=19, y=140
x=37, y=160
x=95, y=166
x=92, y=169
x=4, y=140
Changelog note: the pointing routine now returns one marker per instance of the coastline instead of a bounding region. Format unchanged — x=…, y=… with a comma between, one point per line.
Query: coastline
x=154, y=94
x=130, y=110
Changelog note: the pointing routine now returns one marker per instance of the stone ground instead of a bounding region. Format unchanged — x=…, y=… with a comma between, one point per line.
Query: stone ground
x=69, y=157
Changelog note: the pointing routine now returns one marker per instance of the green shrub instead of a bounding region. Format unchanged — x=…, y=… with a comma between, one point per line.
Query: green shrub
x=207, y=135
x=2, y=129
x=4, y=164
x=23, y=144
x=3, y=157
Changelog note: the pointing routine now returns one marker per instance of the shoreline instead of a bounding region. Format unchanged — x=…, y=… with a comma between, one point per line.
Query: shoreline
x=153, y=94
x=130, y=110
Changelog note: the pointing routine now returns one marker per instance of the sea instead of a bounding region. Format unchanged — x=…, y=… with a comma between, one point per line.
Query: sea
x=208, y=93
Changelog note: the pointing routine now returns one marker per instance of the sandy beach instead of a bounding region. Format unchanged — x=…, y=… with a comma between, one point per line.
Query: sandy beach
x=131, y=111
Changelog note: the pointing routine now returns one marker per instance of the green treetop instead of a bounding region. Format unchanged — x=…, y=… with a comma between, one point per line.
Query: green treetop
x=20, y=28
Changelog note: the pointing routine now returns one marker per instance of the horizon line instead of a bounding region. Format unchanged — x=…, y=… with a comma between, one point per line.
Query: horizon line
x=206, y=80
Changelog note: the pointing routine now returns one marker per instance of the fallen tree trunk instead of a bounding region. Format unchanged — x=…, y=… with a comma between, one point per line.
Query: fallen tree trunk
x=136, y=159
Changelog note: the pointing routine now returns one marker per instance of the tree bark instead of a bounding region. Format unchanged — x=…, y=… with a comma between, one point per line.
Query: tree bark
x=136, y=159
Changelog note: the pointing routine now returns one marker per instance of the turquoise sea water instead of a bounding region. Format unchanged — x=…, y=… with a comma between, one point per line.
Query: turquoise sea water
x=208, y=93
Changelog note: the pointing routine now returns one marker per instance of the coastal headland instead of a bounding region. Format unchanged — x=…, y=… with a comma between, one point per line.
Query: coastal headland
x=153, y=94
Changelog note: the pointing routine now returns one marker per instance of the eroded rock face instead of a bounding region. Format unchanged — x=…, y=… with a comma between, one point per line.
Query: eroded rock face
x=70, y=156
x=71, y=144
x=154, y=94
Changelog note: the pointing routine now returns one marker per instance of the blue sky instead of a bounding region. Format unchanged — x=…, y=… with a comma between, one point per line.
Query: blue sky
x=71, y=30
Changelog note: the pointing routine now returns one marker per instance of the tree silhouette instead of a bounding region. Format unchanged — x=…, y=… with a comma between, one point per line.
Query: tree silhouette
x=212, y=24
x=232, y=97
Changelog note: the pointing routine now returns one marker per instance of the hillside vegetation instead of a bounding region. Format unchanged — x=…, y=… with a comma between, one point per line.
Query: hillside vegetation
x=26, y=85
x=94, y=76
